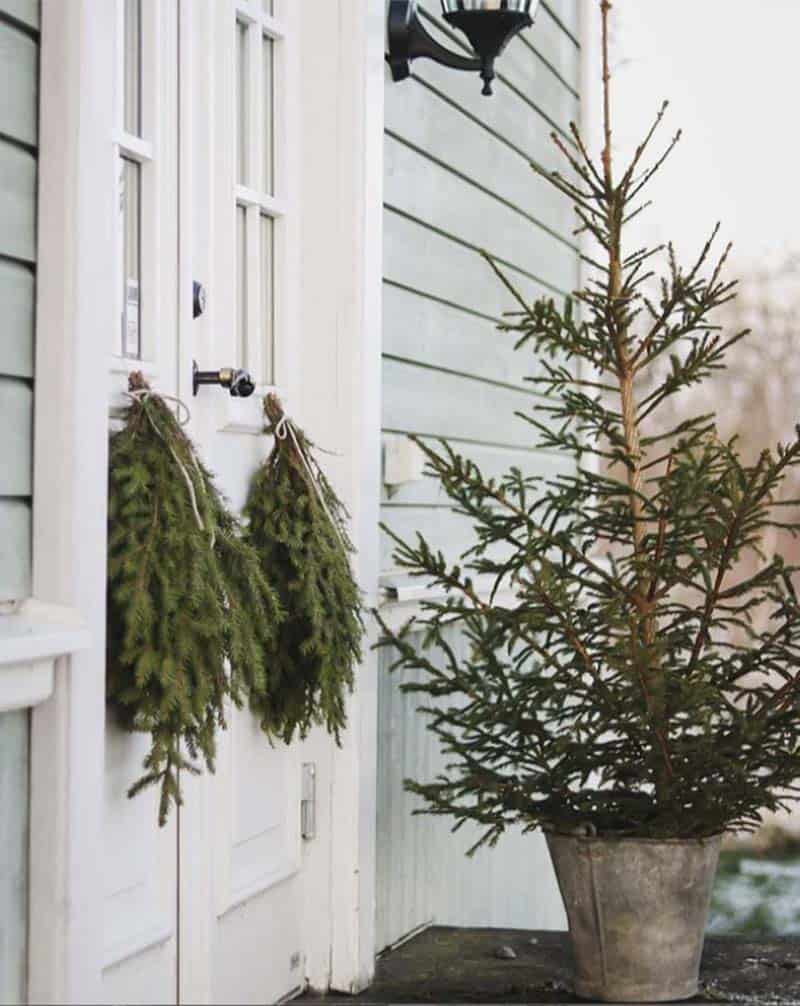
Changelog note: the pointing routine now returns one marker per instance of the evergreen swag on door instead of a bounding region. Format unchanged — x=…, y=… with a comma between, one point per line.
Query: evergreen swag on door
x=635, y=679
x=297, y=526
x=202, y=610
x=190, y=611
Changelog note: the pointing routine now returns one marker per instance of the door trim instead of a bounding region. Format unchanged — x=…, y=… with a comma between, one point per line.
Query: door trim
x=75, y=313
x=361, y=44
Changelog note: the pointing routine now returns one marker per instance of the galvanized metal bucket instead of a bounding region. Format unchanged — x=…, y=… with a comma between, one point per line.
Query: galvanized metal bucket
x=637, y=911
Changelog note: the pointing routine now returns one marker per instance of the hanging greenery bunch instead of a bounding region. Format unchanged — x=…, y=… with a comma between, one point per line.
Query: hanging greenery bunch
x=190, y=609
x=296, y=524
x=636, y=678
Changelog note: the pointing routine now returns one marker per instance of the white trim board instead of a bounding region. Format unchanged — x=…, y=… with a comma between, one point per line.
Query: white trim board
x=75, y=314
x=32, y=637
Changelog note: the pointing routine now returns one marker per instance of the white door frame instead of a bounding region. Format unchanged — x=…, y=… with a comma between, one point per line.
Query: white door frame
x=76, y=305
x=361, y=47
x=75, y=313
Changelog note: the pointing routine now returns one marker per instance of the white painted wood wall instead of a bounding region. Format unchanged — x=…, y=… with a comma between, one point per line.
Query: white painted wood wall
x=457, y=180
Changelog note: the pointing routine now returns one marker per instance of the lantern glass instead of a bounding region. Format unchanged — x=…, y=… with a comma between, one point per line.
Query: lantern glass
x=523, y=6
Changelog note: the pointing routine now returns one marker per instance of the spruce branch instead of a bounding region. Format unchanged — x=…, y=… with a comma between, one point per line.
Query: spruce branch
x=189, y=610
x=297, y=526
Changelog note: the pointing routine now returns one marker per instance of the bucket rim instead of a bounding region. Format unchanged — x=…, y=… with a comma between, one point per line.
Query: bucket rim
x=631, y=839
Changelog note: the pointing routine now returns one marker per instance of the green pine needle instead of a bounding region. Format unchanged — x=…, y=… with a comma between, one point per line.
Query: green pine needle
x=308, y=667
x=180, y=578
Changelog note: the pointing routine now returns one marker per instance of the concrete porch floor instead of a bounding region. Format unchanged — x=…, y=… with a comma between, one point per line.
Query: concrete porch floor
x=449, y=965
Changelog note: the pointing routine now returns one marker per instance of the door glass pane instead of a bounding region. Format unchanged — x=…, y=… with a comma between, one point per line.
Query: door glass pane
x=241, y=103
x=133, y=67
x=267, y=296
x=269, y=116
x=131, y=196
x=13, y=856
x=241, y=285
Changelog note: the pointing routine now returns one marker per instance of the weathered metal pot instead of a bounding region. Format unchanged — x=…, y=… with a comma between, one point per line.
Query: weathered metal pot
x=637, y=911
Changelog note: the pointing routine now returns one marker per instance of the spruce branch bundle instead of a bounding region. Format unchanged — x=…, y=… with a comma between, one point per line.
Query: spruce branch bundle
x=636, y=682
x=190, y=611
x=303, y=546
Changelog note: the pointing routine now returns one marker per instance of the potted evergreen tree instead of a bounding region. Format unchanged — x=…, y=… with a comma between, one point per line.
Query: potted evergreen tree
x=622, y=696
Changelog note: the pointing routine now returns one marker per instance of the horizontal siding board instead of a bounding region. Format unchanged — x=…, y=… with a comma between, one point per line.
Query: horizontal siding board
x=435, y=403
x=493, y=463
x=424, y=330
x=438, y=128
x=545, y=66
x=17, y=203
x=25, y=11
x=445, y=531
x=507, y=115
x=15, y=549
x=17, y=294
x=567, y=13
x=423, y=260
x=432, y=193
x=18, y=96
x=16, y=437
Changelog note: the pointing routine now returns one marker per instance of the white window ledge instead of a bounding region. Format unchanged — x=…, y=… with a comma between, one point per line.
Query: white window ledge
x=33, y=636
x=403, y=597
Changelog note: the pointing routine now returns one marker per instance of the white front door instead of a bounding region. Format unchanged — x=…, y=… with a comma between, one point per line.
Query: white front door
x=209, y=909
x=240, y=846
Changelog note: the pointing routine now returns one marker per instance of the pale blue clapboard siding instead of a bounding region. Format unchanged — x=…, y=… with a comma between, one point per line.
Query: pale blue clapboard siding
x=17, y=202
x=16, y=434
x=424, y=875
x=16, y=334
x=13, y=855
x=458, y=180
x=25, y=12
x=19, y=50
x=19, y=59
x=567, y=14
x=416, y=327
x=15, y=557
x=443, y=199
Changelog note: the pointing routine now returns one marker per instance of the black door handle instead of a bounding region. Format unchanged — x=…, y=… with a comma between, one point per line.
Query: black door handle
x=238, y=382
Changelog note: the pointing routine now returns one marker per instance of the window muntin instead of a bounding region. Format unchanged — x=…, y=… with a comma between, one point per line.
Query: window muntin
x=132, y=75
x=136, y=25
x=131, y=206
x=259, y=188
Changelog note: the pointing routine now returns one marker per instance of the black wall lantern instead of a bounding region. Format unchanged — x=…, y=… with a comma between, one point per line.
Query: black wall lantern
x=488, y=24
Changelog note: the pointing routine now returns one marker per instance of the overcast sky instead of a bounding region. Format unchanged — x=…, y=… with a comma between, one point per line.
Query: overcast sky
x=732, y=73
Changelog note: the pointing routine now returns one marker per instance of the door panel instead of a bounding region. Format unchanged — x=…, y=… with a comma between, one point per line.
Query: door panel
x=246, y=818
x=209, y=908
x=141, y=860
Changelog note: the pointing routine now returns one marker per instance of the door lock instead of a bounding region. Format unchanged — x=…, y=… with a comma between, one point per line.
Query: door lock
x=238, y=382
x=198, y=299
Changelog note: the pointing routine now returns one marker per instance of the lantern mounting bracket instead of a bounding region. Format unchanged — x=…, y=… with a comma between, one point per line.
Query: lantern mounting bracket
x=409, y=39
x=489, y=30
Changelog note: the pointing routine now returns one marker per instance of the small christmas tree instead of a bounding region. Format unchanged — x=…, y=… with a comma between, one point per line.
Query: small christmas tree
x=626, y=687
x=189, y=610
x=296, y=525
